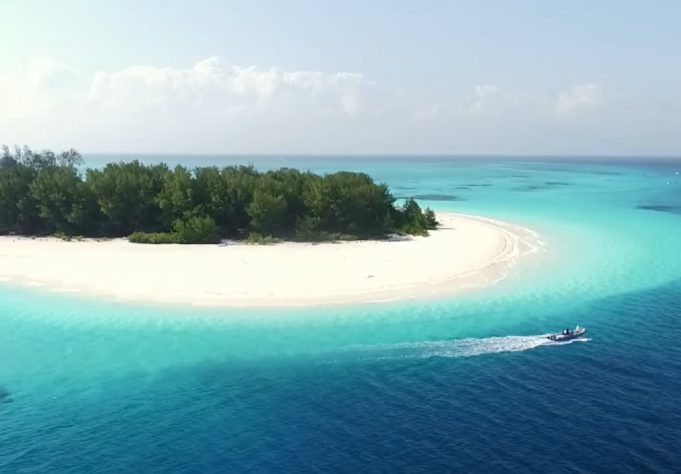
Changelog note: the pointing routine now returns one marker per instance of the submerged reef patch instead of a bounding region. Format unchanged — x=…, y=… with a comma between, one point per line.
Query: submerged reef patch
x=672, y=209
x=538, y=186
x=5, y=396
x=438, y=197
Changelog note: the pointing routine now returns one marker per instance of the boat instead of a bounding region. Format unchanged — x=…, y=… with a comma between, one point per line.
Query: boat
x=567, y=334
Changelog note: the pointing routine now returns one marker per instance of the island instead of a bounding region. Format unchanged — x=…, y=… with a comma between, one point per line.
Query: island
x=45, y=193
x=334, y=239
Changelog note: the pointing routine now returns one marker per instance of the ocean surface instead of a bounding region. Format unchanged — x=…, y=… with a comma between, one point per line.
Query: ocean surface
x=452, y=385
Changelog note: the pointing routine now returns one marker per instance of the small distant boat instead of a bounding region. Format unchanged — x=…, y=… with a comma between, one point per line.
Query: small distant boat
x=567, y=334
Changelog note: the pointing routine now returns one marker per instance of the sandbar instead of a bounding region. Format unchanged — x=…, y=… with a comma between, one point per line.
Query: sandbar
x=466, y=252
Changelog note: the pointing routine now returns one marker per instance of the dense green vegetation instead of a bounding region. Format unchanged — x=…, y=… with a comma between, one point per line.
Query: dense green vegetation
x=44, y=193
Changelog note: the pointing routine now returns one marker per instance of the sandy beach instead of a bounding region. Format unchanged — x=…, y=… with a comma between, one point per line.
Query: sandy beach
x=466, y=252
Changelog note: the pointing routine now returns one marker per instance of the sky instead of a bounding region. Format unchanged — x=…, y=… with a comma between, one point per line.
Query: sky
x=510, y=77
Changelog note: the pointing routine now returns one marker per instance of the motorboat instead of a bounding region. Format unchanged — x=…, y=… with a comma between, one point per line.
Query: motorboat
x=567, y=334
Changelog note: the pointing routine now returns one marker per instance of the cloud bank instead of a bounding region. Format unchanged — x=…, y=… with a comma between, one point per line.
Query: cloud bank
x=216, y=106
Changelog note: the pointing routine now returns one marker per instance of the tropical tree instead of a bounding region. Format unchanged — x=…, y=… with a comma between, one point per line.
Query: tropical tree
x=349, y=203
x=56, y=191
x=127, y=195
x=18, y=209
x=177, y=198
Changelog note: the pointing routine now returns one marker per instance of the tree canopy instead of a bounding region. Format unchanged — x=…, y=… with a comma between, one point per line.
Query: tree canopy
x=42, y=193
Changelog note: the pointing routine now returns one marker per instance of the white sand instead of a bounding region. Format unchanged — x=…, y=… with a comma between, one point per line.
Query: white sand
x=466, y=252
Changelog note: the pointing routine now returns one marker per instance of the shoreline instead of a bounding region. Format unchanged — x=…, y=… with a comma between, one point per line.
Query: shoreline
x=466, y=252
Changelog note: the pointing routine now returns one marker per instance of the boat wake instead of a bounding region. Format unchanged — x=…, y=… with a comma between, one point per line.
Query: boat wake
x=468, y=347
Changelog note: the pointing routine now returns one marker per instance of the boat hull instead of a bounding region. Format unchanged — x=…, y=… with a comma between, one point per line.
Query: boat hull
x=566, y=337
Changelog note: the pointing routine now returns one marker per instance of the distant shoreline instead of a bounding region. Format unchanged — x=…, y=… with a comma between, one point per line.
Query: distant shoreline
x=466, y=252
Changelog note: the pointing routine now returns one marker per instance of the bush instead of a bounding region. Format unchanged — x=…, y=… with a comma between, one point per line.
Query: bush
x=67, y=237
x=321, y=236
x=153, y=238
x=431, y=220
x=410, y=219
x=62, y=236
x=196, y=230
x=414, y=229
x=255, y=238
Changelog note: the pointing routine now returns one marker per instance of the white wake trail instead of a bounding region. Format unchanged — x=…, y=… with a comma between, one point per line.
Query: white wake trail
x=468, y=347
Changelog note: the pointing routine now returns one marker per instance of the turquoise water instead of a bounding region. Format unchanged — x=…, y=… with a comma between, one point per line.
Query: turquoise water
x=464, y=384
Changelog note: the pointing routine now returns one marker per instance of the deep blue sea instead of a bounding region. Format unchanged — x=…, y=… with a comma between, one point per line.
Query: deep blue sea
x=466, y=384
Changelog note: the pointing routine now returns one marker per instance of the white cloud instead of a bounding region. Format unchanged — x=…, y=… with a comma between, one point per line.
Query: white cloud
x=578, y=99
x=489, y=99
x=49, y=74
x=45, y=85
x=218, y=87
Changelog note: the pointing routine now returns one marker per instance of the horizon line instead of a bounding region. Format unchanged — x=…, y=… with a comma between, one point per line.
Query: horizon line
x=386, y=155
